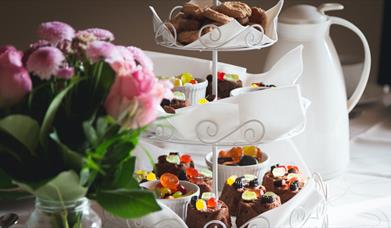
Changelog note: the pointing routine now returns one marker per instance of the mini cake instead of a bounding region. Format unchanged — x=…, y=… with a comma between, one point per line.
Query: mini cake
x=169, y=187
x=234, y=188
x=179, y=101
x=202, y=210
x=240, y=156
x=285, y=181
x=175, y=164
x=226, y=83
x=252, y=204
x=202, y=178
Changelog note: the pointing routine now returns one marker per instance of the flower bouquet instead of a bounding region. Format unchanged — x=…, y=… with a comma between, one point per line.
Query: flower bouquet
x=72, y=107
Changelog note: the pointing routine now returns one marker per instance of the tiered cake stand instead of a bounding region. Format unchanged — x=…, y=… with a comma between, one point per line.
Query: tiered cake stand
x=252, y=131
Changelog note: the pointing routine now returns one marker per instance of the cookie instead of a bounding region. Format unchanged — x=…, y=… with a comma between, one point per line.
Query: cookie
x=192, y=11
x=258, y=16
x=243, y=21
x=188, y=37
x=234, y=9
x=216, y=16
x=183, y=24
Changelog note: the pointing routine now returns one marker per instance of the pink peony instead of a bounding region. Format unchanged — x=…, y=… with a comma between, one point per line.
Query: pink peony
x=101, y=50
x=65, y=72
x=55, y=31
x=141, y=58
x=100, y=34
x=15, y=81
x=45, y=62
x=126, y=64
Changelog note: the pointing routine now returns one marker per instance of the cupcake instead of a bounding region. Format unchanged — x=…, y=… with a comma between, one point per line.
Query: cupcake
x=179, y=101
x=253, y=204
x=285, y=181
x=202, y=210
x=202, y=178
x=174, y=164
x=234, y=188
x=226, y=83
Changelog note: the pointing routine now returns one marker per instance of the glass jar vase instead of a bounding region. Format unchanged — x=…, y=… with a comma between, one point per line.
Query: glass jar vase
x=60, y=214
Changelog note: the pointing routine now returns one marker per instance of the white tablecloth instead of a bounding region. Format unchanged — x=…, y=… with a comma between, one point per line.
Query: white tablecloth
x=361, y=197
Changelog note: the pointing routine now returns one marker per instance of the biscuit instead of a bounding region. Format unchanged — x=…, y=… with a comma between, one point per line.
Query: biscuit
x=216, y=16
x=183, y=24
x=187, y=37
x=258, y=16
x=192, y=11
x=234, y=9
x=243, y=21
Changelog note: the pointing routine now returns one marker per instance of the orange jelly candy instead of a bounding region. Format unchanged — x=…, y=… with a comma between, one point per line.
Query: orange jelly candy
x=236, y=153
x=191, y=172
x=186, y=158
x=170, y=181
x=223, y=154
x=211, y=203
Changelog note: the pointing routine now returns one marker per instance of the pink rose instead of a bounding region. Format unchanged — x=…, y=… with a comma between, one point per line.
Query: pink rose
x=15, y=81
x=45, y=62
x=55, y=31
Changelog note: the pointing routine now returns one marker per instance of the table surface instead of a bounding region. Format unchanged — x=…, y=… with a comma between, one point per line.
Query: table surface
x=358, y=198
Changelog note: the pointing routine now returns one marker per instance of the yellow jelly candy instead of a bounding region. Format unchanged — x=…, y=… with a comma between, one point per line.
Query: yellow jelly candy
x=203, y=101
x=250, y=151
x=231, y=180
x=151, y=176
x=253, y=85
x=140, y=172
x=201, y=205
x=186, y=77
x=177, y=82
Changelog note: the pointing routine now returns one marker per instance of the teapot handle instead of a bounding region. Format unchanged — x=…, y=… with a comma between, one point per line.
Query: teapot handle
x=353, y=100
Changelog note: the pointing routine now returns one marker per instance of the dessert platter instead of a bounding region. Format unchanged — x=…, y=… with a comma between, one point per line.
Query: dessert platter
x=233, y=120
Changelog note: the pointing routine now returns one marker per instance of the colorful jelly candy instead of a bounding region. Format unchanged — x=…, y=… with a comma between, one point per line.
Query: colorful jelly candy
x=177, y=194
x=170, y=181
x=203, y=101
x=179, y=96
x=185, y=158
x=182, y=189
x=250, y=151
x=249, y=195
x=205, y=172
x=207, y=195
x=293, y=169
x=177, y=82
x=193, y=81
x=220, y=75
x=211, y=203
x=191, y=172
x=279, y=172
x=174, y=159
x=186, y=77
x=231, y=77
x=231, y=180
x=164, y=192
x=201, y=205
x=151, y=176
x=248, y=160
x=236, y=153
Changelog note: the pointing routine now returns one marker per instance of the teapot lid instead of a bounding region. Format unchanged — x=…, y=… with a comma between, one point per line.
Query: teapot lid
x=307, y=14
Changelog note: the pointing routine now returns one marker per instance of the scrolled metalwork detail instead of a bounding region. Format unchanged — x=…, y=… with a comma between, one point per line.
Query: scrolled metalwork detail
x=321, y=186
x=207, y=131
x=215, y=222
x=173, y=11
x=162, y=31
x=212, y=36
x=254, y=38
x=298, y=217
x=257, y=222
x=162, y=132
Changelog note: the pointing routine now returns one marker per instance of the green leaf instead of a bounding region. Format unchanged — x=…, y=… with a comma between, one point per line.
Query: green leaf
x=23, y=128
x=123, y=173
x=128, y=203
x=51, y=113
x=5, y=180
x=71, y=159
x=90, y=133
x=64, y=187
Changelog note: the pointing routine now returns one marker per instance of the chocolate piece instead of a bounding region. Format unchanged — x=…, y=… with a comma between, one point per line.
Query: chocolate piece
x=224, y=87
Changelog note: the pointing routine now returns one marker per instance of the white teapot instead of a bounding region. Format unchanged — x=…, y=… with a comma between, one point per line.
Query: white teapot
x=325, y=141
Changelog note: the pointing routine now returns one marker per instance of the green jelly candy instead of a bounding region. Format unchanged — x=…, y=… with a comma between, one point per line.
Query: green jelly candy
x=179, y=96
x=207, y=195
x=231, y=77
x=177, y=194
x=249, y=196
x=206, y=172
x=174, y=159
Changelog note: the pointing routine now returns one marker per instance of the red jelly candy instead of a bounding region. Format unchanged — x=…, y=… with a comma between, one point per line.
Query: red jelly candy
x=186, y=158
x=191, y=172
x=211, y=203
x=220, y=75
x=193, y=81
x=170, y=181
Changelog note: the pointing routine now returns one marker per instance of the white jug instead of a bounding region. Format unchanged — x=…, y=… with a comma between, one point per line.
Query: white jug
x=325, y=142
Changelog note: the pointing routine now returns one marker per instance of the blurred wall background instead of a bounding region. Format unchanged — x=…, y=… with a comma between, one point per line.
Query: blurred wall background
x=130, y=21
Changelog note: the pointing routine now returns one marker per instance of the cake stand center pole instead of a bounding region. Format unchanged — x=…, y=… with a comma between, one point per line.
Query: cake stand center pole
x=215, y=171
x=215, y=60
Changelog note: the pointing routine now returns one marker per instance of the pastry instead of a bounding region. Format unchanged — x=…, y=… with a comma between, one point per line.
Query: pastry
x=181, y=23
x=234, y=188
x=192, y=11
x=202, y=178
x=179, y=101
x=253, y=204
x=226, y=83
x=234, y=9
x=243, y=21
x=188, y=37
x=216, y=16
x=258, y=16
x=174, y=164
x=285, y=181
x=169, y=187
x=202, y=210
